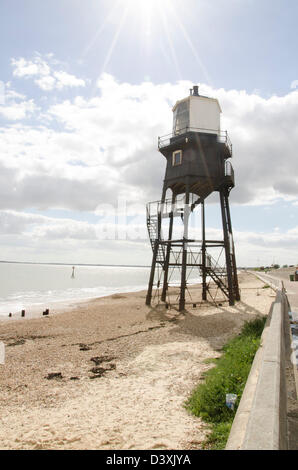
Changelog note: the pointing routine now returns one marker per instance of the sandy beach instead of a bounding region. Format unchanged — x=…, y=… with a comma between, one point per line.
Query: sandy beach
x=112, y=373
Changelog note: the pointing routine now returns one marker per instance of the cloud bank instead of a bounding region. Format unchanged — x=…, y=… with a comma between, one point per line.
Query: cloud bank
x=75, y=153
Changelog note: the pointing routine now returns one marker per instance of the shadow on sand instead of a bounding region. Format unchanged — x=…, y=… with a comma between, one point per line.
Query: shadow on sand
x=207, y=321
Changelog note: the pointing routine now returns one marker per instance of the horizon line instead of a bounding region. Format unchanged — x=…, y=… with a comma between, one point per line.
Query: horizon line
x=76, y=264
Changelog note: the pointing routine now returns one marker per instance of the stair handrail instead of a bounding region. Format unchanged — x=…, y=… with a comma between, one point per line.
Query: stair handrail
x=167, y=207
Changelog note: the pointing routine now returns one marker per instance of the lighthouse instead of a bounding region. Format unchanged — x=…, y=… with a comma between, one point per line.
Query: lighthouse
x=197, y=155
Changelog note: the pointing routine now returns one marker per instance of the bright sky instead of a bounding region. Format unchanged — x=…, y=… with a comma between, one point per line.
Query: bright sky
x=86, y=87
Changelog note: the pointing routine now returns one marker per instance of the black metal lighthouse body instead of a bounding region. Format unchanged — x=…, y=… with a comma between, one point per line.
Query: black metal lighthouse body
x=197, y=156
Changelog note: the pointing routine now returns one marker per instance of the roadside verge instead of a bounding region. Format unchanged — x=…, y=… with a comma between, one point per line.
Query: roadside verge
x=261, y=419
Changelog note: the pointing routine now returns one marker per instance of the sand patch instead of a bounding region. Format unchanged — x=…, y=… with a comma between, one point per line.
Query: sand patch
x=151, y=358
x=141, y=407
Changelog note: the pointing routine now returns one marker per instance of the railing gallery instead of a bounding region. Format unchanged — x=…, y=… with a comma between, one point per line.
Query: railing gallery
x=222, y=136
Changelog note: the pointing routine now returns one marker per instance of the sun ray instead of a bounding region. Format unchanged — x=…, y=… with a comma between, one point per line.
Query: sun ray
x=113, y=44
x=115, y=39
x=102, y=27
x=189, y=42
x=170, y=42
x=143, y=12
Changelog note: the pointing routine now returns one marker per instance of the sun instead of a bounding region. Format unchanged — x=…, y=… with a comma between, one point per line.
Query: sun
x=145, y=5
x=152, y=22
x=125, y=14
x=146, y=12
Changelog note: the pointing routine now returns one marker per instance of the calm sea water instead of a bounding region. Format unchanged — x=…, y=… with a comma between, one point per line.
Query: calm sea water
x=26, y=285
x=29, y=285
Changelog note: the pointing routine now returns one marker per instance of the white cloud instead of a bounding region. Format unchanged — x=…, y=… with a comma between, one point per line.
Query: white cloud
x=88, y=151
x=38, y=226
x=46, y=83
x=44, y=74
x=16, y=106
x=64, y=79
x=28, y=68
x=108, y=146
x=17, y=111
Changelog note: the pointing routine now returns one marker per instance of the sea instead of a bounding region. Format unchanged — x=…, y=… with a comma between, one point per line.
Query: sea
x=25, y=286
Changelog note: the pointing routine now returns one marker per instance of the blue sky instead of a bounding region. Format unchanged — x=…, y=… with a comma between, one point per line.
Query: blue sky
x=88, y=87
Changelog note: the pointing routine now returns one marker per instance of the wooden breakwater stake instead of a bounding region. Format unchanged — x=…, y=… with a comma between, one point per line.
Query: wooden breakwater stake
x=23, y=313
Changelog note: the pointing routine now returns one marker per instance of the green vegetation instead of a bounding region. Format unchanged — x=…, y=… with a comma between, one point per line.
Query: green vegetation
x=218, y=436
x=208, y=400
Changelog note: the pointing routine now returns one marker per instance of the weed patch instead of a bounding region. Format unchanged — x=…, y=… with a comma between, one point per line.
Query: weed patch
x=208, y=399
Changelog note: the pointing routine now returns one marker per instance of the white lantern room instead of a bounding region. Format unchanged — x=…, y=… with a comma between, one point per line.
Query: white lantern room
x=196, y=113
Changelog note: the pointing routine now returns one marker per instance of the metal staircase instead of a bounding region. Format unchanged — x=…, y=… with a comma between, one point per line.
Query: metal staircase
x=218, y=280
x=152, y=225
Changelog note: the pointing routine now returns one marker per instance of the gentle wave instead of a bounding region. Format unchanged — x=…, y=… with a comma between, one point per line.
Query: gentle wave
x=23, y=300
x=28, y=286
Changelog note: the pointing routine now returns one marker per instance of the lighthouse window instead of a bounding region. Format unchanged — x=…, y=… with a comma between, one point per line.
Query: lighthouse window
x=177, y=157
x=181, y=118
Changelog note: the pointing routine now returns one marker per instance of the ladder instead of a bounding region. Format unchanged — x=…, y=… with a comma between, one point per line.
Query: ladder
x=218, y=280
x=152, y=225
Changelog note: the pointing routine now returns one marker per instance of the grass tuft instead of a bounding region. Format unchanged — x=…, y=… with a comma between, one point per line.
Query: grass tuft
x=208, y=399
x=218, y=436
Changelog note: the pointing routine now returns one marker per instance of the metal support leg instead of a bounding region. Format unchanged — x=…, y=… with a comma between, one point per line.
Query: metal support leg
x=234, y=267
x=167, y=258
x=184, y=255
x=152, y=273
x=223, y=201
x=204, y=284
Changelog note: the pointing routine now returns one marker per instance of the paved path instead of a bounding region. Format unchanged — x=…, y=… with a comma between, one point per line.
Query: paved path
x=275, y=278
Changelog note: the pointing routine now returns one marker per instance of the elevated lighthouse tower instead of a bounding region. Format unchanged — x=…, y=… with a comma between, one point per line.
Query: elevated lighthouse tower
x=197, y=157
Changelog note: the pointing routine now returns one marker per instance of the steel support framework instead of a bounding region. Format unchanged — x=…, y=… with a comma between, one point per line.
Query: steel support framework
x=164, y=250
